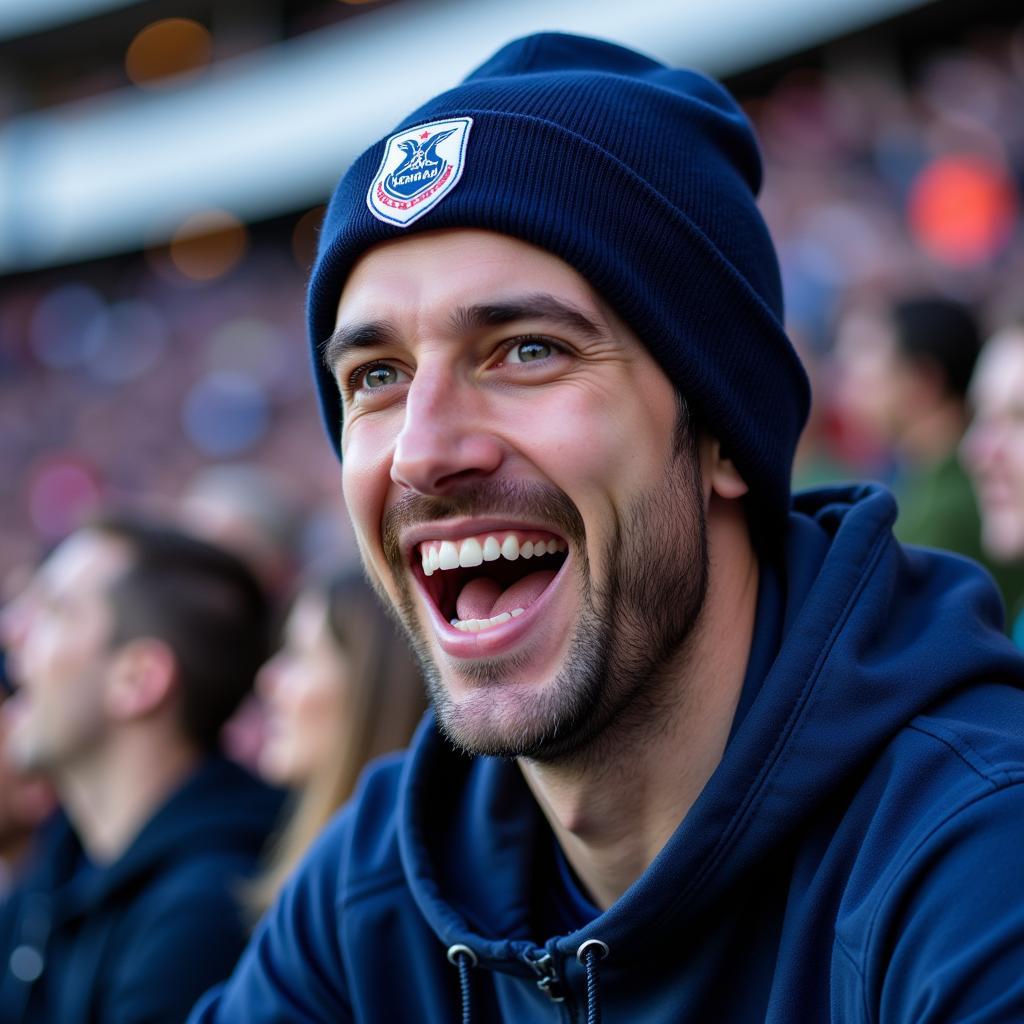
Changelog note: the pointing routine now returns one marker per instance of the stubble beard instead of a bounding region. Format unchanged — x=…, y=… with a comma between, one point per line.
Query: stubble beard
x=616, y=680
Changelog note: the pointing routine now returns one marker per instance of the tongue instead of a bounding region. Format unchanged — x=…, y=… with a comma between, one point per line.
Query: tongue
x=483, y=598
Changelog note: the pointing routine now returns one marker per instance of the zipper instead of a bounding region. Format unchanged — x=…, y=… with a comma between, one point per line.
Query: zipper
x=542, y=963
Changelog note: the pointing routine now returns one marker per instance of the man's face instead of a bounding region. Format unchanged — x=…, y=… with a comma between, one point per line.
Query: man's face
x=993, y=449
x=58, y=636
x=513, y=467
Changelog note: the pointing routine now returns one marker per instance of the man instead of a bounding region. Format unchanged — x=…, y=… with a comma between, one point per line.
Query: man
x=696, y=754
x=130, y=647
x=993, y=451
x=904, y=368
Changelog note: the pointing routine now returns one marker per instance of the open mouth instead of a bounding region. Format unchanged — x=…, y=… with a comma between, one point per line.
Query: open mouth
x=482, y=580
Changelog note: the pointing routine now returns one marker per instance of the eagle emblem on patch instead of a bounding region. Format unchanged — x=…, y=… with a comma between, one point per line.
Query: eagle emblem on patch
x=420, y=167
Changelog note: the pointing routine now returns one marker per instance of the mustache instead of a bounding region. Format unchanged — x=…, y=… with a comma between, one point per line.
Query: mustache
x=518, y=498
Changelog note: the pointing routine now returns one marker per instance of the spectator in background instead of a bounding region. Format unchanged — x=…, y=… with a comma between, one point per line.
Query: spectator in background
x=130, y=647
x=903, y=375
x=993, y=451
x=342, y=689
x=254, y=513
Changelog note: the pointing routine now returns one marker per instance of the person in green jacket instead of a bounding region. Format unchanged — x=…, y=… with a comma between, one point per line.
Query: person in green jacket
x=904, y=374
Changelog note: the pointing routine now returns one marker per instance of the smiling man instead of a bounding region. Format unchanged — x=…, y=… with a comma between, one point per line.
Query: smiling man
x=699, y=751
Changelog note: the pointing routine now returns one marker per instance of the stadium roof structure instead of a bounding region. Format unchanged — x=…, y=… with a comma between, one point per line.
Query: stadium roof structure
x=268, y=133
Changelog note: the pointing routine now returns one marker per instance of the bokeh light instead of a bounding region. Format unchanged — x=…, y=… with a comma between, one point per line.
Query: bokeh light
x=962, y=209
x=168, y=53
x=63, y=490
x=208, y=244
x=62, y=328
x=225, y=413
x=128, y=341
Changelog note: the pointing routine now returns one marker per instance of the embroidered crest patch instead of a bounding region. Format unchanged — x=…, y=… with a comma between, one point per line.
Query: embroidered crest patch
x=421, y=166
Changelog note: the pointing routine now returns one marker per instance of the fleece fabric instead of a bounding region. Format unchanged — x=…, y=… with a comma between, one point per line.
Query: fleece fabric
x=855, y=857
x=138, y=941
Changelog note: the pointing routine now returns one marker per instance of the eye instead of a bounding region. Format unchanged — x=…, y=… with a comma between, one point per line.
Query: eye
x=529, y=350
x=374, y=377
x=380, y=376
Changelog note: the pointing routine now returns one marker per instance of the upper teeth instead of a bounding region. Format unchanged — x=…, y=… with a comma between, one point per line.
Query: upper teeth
x=448, y=554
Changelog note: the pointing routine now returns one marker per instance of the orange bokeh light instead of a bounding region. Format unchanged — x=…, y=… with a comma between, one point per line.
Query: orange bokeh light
x=963, y=209
x=167, y=53
x=207, y=245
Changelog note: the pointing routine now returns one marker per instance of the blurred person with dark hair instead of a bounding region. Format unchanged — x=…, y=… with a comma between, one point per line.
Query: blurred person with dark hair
x=130, y=647
x=993, y=451
x=343, y=689
x=903, y=376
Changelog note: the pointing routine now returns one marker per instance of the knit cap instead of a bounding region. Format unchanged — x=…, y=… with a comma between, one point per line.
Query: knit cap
x=642, y=178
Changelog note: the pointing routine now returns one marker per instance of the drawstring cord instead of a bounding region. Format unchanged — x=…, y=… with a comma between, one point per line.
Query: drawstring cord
x=464, y=958
x=589, y=953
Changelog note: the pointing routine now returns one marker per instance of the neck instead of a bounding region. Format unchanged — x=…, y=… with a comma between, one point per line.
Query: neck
x=929, y=436
x=112, y=795
x=613, y=821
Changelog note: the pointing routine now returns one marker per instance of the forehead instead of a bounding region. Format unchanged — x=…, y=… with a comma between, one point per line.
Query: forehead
x=84, y=563
x=999, y=377
x=441, y=270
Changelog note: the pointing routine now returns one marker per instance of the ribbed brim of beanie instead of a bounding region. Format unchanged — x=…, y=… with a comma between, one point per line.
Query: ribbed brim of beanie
x=642, y=178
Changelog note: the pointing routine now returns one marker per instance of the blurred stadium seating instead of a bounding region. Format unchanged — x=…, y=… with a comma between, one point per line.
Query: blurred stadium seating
x=131, y=358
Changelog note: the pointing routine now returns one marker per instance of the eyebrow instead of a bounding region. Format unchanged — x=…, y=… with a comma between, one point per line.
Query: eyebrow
x=530, y=307
x=356, y=336
x=539, y=306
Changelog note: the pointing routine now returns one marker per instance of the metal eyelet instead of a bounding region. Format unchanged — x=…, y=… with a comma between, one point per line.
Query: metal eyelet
x=454, y=952
x=601, y=947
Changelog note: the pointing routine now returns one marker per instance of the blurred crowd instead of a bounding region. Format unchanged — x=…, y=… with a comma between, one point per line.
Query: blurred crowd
x=139, y=382
x=894, y=197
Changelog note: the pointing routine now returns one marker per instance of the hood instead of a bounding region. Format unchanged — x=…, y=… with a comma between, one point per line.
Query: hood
x=874, y=634
x=220, y=809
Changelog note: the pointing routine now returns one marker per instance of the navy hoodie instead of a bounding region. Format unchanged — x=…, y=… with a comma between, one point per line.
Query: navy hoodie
x=138, y=941
x=855, y=857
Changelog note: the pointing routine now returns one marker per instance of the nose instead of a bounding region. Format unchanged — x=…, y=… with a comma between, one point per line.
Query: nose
x=446, y=439
x=268, y=677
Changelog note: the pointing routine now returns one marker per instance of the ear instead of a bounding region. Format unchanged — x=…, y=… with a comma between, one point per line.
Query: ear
x=721, y=477
x=142, y=679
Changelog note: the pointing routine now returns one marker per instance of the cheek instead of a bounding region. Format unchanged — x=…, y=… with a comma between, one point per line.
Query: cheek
x=366, y=477
x=605, y=442
x=1015, y=461
x=318, y=721
x=52, y=653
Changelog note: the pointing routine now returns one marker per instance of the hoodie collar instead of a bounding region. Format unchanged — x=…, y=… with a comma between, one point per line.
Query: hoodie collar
x=862, y=616
x=217, y=799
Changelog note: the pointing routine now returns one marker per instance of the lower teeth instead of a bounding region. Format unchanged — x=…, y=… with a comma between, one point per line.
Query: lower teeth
x=475, y=625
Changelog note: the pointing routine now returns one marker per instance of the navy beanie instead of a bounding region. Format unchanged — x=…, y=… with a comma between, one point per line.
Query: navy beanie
x=642, y=178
